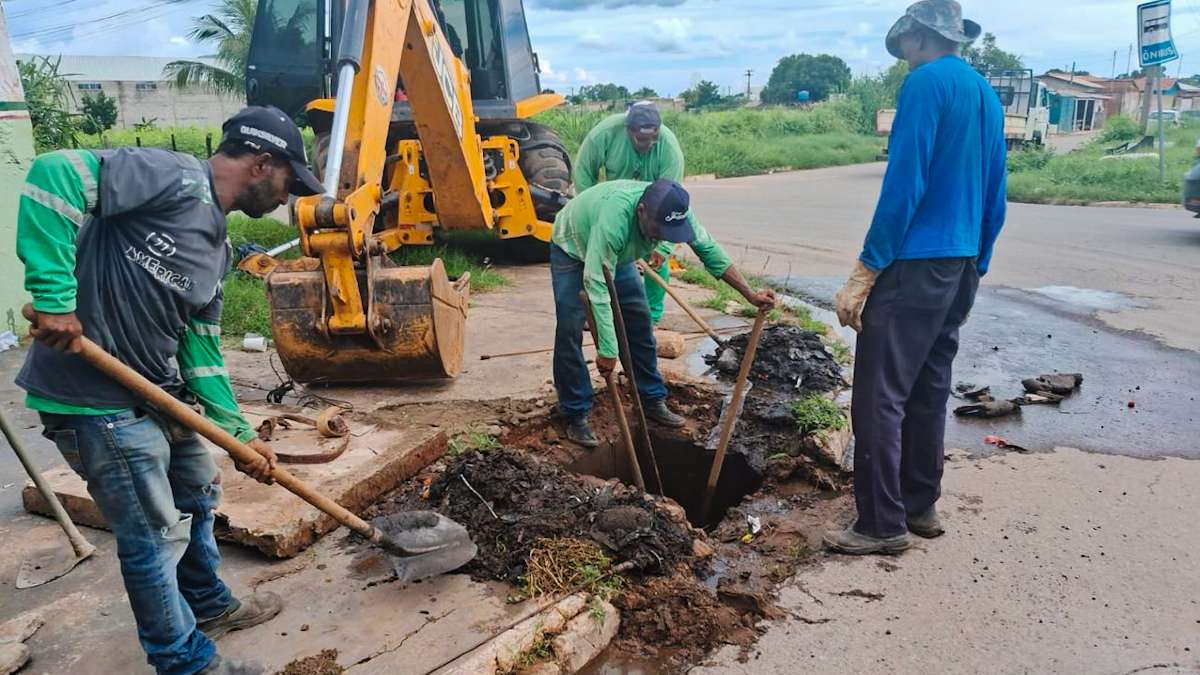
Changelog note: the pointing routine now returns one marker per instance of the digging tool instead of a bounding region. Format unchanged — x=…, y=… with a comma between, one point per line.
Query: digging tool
x=610, y=379
x=421, y=544
x=739, y=391
x=649, y=272
x=627, y=364
x=50, y=565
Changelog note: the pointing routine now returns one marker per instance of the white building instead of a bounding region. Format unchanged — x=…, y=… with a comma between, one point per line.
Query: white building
x=141, y=91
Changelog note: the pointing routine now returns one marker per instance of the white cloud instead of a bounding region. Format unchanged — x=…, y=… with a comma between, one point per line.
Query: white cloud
x=178, y=40
x=672, y=34
x=593, y=40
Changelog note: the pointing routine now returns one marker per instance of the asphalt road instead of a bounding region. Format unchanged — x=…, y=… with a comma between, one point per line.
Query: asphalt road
x=1057, y=561
x=1108, y=292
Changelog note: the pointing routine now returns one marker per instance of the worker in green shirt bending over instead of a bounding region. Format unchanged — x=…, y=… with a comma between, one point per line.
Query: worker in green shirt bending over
x=129, y=247
x=634, y=146
x=610, y=226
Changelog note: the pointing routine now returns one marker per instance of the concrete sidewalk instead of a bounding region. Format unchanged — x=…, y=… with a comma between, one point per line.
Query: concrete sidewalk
x=1054, y=563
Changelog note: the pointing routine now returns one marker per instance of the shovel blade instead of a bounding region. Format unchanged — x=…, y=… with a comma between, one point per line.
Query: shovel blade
x=439, y=544
x=47, y=566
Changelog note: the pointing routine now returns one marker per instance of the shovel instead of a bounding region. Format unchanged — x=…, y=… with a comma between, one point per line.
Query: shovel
x=48, y=565
x=739, y=391
x=421, y=544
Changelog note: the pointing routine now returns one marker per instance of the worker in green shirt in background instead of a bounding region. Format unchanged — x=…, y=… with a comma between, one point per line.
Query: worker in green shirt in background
x=634, y=146
x=129, y=248
x=611, y=226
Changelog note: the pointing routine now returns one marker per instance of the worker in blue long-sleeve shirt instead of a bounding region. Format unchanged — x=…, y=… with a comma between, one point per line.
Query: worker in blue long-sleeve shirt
x=940, y=211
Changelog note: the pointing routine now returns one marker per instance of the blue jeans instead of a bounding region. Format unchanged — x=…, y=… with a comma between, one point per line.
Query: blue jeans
x=571, y=378
x=157, y=487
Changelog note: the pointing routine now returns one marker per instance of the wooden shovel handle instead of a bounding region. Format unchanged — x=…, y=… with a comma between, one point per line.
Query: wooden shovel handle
x=168, y=404
x=649, y=272
x=739, y=391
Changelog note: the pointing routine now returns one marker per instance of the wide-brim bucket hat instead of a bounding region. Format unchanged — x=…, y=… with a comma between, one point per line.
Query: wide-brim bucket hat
x=941, y=16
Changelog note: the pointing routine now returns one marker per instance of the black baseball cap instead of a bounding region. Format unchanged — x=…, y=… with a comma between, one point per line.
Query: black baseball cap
x=269, y=129
x=643, y=116
x=667, y=202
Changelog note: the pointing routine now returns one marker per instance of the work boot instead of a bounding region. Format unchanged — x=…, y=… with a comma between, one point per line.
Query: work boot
x=657, y=411
x=926, y=524
x=246, y=612
x=579, y=431
x=853, y=543
x=223, y=666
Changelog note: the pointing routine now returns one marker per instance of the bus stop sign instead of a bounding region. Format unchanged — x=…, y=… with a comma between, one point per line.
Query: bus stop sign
x=1155, y=45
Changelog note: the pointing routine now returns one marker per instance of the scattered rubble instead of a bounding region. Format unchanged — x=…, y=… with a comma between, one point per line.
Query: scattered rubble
x=324, y=663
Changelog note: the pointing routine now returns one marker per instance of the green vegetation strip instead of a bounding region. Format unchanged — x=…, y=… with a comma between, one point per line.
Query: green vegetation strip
x=1088, y=175
x=246, y=309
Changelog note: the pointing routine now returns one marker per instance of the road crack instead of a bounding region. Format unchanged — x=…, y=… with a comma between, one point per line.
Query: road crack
x=428, y=620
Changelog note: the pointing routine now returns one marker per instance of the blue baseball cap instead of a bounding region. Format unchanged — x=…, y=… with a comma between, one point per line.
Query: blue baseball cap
x=667, y=203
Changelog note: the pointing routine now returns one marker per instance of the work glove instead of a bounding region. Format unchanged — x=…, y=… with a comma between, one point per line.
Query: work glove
x=850, y=300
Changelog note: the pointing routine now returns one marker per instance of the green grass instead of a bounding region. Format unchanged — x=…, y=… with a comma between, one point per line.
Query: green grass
x=1084, y=176
x=747, y=142
x=246, y=309
x=816, y=413
x=460, y=253
x=471, y=439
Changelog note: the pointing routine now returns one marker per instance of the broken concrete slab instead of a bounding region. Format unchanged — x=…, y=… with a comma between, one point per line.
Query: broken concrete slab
x=270, y=518
x=502, y=653
x=586, y=635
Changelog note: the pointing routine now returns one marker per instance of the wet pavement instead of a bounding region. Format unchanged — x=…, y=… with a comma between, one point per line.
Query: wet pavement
x=1014, y=334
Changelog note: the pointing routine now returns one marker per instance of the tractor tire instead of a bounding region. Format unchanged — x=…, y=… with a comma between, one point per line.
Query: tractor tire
x=545, y=162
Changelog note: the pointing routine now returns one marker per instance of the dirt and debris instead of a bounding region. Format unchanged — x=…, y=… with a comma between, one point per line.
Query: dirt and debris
x=790, y=360
x=324, y=663
x=510, y=500
x=678, y=617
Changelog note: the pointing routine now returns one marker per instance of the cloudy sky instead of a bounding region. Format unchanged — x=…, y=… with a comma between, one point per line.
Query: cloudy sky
x=665, y=44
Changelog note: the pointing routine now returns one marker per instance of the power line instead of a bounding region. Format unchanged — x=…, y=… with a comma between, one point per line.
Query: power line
x=121, y=16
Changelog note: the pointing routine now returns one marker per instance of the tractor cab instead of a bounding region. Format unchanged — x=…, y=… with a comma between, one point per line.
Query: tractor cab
x=292, y=59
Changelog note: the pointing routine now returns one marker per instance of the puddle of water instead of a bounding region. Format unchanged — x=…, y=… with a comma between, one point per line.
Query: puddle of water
x=694, y=360
x=1088, y=298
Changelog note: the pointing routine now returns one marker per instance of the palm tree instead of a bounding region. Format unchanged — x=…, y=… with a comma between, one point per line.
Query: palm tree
x=229, y=28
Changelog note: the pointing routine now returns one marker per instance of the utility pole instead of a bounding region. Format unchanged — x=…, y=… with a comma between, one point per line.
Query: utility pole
x=749, y=74
x=1072, y=71
x=1114, y=70
x=1179, y=71
x=1129, y=61
x=1147, y=77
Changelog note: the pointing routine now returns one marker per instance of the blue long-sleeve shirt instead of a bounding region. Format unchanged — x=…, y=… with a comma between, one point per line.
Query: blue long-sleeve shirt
x=944, y=194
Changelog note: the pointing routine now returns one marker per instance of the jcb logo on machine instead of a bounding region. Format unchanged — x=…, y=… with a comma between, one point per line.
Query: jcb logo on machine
x=446, y=79
x=382, y=90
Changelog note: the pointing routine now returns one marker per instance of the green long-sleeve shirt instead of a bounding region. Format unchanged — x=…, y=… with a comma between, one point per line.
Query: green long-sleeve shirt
x=608, y=147
x=63, y=192
x=599, y=228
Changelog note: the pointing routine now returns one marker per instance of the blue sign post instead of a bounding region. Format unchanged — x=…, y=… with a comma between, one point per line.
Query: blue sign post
x=1155, y=47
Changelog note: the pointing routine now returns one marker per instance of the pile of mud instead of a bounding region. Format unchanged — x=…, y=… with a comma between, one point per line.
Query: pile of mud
x=509, y=499
x=679, y=618
x=790, y=360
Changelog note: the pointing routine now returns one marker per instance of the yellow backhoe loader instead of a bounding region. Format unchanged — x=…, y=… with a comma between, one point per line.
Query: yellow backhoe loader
x=428, y=129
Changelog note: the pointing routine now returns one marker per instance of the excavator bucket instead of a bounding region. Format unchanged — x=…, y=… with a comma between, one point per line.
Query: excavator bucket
x=419, y=313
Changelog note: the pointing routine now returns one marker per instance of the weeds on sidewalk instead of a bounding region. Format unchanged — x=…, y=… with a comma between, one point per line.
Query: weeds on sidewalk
x=816, y=413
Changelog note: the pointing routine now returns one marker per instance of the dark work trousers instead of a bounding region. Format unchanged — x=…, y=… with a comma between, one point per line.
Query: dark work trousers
x=901, y=385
